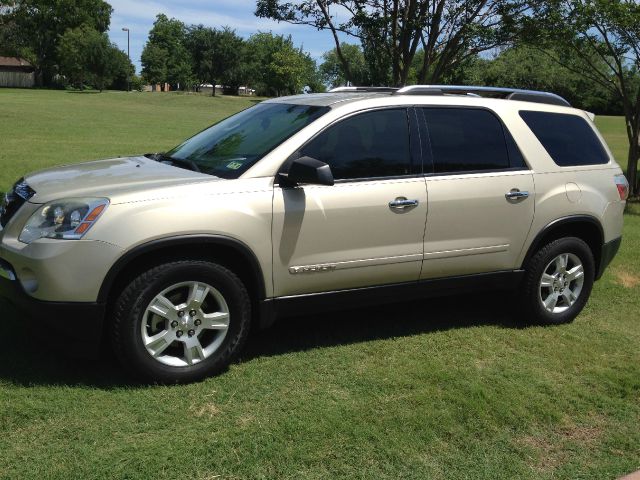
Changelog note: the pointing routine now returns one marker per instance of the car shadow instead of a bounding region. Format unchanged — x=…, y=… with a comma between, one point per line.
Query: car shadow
x=26, y=362
x=381, y=322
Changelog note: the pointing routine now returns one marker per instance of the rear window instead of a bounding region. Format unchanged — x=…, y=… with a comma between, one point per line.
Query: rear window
x=568, y=139
x=464, y=140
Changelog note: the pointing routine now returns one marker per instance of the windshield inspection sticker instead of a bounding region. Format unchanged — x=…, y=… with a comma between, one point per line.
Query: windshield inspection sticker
x=235, y=165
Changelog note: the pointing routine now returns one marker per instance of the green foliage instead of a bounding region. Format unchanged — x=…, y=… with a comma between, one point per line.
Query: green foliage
x=38, y=26
x=216, y=56
x=277, y=67
x=165, y=57
x=535, y=69
x=604, y=36
x=392, y=32
x=86, y=55
x=333, y=72
x=154, y=63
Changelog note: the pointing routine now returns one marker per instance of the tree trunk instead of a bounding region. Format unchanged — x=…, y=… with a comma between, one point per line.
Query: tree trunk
x=632, y=164
x=213, y=90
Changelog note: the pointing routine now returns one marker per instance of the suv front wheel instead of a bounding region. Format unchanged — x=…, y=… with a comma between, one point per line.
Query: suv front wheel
x=181, y=321
x=558, y=281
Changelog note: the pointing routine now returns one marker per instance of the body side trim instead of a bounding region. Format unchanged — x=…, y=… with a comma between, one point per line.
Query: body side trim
x=466, y=251
x=366, y=262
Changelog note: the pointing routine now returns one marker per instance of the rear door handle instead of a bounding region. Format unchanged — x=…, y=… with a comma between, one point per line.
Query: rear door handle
x=402, y=202
x=516, y=194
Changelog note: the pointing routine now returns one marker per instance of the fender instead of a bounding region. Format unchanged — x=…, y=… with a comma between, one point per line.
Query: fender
x=182, y=240
x=559, y=223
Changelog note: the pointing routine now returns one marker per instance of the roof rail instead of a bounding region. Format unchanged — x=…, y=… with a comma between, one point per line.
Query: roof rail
x=363, y=89
x=507, y=93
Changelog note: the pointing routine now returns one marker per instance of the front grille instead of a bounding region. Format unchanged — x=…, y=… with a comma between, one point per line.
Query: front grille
x=13, y=200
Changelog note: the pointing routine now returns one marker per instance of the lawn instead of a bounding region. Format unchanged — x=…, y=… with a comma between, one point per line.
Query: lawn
x=447, y=388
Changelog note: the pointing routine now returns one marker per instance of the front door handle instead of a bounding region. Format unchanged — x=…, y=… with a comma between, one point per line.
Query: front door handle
x=516, y=194
x=402, y=202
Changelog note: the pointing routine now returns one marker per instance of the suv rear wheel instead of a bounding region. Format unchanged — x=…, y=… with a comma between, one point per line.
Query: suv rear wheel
x=181, y=321
x=558, y=281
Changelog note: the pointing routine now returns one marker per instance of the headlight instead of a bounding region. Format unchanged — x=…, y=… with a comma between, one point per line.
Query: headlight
x=67, y=219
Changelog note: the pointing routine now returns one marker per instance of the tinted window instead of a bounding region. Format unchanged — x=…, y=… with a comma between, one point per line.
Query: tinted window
x=372, y=144
x=466, y=140
x=568, y=139
x=229, y=148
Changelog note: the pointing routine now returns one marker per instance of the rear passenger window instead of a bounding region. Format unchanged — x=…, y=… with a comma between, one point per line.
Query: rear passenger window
x=568, y=139
x=367, y=145
x=464, y=139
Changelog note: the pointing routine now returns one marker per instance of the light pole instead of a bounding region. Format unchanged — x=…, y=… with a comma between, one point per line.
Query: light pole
x=125, y=29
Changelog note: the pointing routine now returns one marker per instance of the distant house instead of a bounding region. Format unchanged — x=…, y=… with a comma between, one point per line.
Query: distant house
x=16, y=72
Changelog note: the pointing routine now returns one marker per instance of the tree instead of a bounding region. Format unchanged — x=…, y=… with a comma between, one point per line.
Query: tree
x=526, y=67
x=216, y=56
x=604, y=35
x=226, y=61
x=73, y=49
x=87, y=55
x=333, y=71
x=165, y=57
x=287, y=71
x=276, y=67
x=40, y=24
x=392, y=31
x=154, y=63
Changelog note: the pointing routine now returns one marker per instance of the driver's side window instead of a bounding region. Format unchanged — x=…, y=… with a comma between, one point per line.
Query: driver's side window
x=367, y=145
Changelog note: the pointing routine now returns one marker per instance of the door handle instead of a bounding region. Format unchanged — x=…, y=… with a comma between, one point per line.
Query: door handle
x=516, y=194
x=402, y=202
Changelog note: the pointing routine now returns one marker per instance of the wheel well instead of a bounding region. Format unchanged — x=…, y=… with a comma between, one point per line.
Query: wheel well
x=243, y=264
x=584, y=228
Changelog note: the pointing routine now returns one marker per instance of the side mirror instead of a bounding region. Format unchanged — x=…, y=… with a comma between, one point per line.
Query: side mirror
x=308, y=170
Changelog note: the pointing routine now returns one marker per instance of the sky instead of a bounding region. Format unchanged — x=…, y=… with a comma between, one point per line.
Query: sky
x=139, y=15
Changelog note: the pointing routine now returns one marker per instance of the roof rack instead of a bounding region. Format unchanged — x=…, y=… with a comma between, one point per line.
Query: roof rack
x=507, y=93
x=363, y=89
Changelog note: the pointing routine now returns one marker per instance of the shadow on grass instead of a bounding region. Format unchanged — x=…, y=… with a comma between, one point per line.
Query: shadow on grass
x=25, y=361
x=381, y=322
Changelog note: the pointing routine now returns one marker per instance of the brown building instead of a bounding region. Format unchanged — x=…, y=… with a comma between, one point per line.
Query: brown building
x=16, y=72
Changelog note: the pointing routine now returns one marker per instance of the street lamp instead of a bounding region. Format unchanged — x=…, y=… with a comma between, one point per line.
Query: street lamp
x=125, y=29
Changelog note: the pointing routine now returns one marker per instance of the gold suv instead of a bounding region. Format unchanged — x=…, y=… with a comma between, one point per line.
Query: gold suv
x=314, y=202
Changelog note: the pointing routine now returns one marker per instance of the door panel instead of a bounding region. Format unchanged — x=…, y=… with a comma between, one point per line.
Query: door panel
x=347, y=235
x=472, y=227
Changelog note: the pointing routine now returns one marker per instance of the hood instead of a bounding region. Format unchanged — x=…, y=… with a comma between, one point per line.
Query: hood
x=109, y=178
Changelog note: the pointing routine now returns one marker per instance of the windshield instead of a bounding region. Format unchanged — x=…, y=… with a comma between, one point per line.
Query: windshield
x=229, y=148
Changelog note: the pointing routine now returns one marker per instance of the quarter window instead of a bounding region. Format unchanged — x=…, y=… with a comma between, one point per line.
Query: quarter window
x=371, y=144
x=568, y=139
x=465, y=140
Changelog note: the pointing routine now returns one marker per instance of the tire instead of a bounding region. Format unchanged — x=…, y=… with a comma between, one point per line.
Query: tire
x=569, y=289
x=180, y=322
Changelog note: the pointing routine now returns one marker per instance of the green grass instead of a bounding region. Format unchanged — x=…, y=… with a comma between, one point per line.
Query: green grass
x=451, y=388
x=614, y=131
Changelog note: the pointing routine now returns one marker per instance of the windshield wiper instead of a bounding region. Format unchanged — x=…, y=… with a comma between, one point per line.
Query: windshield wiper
x=161, y=157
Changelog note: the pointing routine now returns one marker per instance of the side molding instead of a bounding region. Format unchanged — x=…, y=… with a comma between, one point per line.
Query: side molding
x=183, y=240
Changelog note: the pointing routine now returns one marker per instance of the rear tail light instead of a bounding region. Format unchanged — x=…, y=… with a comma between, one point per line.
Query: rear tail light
x=623, y=186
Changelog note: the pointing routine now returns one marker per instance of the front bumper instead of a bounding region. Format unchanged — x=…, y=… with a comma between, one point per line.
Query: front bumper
x=74, y=326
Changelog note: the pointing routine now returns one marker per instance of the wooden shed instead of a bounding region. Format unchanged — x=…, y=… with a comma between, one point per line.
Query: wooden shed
x=16, y=72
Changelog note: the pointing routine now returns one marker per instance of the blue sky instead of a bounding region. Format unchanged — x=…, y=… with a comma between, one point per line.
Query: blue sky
x=138, y=16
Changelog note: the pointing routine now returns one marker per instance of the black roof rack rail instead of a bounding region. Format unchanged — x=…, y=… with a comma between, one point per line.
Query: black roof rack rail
x=507, y=93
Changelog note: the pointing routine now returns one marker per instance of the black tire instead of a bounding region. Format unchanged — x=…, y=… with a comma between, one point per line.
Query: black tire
x=531, y=304
x=129, y=312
